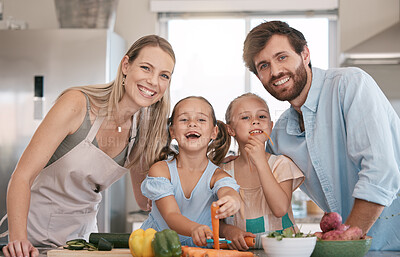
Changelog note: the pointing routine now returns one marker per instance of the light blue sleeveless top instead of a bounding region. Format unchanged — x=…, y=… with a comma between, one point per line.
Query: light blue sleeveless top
x=195, y=208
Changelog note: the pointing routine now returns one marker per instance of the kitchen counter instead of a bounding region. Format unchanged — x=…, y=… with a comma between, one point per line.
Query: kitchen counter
x=261, y=253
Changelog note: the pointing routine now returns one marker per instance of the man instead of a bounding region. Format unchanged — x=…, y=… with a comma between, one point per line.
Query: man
x=340, y=130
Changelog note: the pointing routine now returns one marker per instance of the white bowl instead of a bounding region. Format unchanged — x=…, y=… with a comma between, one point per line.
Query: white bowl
x=289, y=247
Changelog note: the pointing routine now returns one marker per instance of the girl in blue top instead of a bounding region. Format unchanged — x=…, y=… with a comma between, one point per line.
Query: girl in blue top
x=183, y=189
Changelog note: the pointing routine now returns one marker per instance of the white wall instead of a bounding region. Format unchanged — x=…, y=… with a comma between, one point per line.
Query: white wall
x=361, y=19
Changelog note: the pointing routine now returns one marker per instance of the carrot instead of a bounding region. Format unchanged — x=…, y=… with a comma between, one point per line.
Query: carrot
x=226, y=253
x=250, y=241
x=272, y=143
x=188, y=251
x=198, y=252
x=185, y=250
x=215, y=224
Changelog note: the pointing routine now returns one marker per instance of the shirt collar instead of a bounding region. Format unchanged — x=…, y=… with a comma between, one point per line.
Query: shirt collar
x=315, y=90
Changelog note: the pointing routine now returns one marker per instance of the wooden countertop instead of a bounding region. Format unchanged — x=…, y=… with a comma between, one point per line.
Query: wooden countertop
x=261, y=253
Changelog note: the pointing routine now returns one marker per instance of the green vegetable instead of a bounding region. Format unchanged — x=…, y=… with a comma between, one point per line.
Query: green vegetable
x=104, y=245
x=166, y=243
x=119, y=240
x=79, y=244
x=287, y=233
x=76, y=246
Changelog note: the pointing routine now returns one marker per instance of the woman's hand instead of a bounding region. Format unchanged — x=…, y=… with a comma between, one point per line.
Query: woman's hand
x=236, y=235
x=200, y=234
x=229, y=205
x=19, y=248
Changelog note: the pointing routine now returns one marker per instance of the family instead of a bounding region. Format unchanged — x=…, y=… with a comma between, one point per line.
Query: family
x=339, y=142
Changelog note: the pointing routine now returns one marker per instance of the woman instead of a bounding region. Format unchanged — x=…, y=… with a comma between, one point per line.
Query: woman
x=89, y=139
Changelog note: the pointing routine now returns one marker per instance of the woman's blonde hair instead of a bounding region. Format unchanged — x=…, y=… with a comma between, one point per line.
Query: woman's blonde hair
x=151, y=134
x=218, y=148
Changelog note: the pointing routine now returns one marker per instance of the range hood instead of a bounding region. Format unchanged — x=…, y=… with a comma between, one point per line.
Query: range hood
x=379, y=56
x=94, y=14
x=383, y=48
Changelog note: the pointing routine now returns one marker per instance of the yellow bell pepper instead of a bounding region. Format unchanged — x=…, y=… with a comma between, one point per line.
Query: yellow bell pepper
x=140, y=242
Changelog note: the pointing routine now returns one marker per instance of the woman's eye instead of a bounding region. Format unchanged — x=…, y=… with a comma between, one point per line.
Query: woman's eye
x=165, y=76
x=145, y=67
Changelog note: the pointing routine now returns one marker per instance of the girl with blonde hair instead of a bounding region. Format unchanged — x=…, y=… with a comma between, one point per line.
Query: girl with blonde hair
x=89, y=139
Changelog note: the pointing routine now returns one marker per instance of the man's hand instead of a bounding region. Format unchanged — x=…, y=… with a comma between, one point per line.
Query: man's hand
x=364, y=214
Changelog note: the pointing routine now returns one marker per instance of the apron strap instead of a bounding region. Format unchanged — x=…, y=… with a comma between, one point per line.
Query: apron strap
x=95, y=128
x=1, y=222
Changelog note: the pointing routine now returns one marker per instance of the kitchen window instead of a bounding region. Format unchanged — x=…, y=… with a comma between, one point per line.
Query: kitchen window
x=209, y=55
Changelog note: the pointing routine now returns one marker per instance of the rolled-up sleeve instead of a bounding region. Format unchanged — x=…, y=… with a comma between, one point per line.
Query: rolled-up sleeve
x=156, y=188
x=373, y=130
x=225, y=182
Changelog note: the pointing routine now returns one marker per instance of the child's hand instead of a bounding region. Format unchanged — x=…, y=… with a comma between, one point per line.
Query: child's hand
x=255, y=149
x=229, y=205
x=236, y=235
x=200, y=234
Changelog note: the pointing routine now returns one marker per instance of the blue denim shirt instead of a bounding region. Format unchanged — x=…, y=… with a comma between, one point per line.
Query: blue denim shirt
x=350, y=148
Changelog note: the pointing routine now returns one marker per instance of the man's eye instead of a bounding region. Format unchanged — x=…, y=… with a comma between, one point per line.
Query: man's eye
x=283, y=57
x=263, y=66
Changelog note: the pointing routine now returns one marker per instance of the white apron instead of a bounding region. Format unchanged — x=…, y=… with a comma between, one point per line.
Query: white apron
x=65, y=197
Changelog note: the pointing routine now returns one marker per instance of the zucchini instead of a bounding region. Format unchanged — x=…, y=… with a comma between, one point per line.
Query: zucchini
x=74, y=241
x=118, y=240
x=104, y=245
x=76, y=246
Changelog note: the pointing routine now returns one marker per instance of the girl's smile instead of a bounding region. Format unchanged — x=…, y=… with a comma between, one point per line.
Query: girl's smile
x=193, y=126
x=250, y=117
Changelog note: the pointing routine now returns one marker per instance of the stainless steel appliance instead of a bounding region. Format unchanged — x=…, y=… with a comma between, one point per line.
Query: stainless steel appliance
x=35, y=63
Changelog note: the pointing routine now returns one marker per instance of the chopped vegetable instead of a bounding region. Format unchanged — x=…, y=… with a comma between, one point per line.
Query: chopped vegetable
x=288, y=233
x=79, y=244
x=104, y=245
x=215, y=224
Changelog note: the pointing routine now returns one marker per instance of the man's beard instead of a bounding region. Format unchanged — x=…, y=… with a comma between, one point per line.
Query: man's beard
x=288, y=94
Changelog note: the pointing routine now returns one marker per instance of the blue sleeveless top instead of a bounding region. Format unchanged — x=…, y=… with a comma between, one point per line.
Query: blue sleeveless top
x=196, y=208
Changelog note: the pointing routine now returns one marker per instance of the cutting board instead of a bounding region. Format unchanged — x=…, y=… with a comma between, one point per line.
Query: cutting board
x=117, y=252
